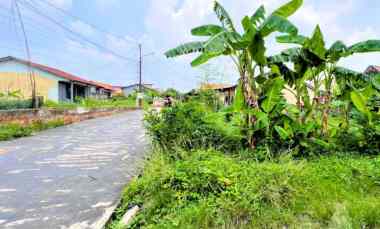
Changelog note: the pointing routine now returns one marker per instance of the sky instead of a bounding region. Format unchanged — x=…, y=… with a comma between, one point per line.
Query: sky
x=99, y=41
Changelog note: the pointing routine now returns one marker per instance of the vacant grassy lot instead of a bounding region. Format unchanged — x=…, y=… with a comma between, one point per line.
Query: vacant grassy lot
x=208, y=189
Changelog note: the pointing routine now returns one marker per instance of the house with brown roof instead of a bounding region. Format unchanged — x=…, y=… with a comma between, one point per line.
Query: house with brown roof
x=226, y=92
x=372, y=69
x=50, y=83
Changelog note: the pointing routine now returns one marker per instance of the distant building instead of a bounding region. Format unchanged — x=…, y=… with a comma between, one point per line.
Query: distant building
x=117, y=90
x=372, y=70
x=226, y=93
x=51, y=83
x=128, y=90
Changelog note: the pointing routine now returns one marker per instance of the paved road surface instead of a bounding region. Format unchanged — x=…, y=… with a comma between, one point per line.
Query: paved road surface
x=70, y=177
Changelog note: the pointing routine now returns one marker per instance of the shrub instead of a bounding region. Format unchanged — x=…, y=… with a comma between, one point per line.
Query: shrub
x=118, y=102
x=11, y=131
x=208, y=189
x=360, y=138
x=10, y=104
x=209, y=98
x=60, y=105
x=191, y=126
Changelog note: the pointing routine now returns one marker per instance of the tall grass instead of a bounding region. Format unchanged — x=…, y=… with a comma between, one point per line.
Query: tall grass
x=208, y=189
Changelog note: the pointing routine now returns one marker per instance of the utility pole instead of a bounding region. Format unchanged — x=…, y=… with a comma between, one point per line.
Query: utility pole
x=27, y=48
x=140, y=94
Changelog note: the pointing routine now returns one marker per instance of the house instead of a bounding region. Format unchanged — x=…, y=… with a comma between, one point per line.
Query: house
x=51, y=83
x=226, y=93
x=117, y=90
x=372, y=69
x=128, y=90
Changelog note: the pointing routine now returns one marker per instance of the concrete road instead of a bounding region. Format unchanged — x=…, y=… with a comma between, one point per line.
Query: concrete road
x=70, y=177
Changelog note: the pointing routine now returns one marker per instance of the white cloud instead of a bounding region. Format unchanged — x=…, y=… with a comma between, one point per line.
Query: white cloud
x=329, y=18
x=90, y=53
x=67, y=4
x=170, y=22
x=359, y=62
x=124, y=45
x=82, y=28
x=366, y=34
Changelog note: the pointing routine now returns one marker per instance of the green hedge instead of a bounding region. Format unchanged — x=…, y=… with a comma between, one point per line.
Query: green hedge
x=11, y=104
x=11, y=131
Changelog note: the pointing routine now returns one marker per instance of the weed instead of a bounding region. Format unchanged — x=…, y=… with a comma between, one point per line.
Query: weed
x=208, y=189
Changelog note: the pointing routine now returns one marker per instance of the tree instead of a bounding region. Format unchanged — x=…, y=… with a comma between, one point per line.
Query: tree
x=246, y=50
x=315, y=63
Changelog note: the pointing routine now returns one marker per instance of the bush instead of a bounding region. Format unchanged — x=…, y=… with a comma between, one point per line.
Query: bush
x=61, y=105
x=117, y=102
x=11, y=131
x=207, y=189
x=11, y=104
x=209, y=98
x=358, y=138
x=192, y=126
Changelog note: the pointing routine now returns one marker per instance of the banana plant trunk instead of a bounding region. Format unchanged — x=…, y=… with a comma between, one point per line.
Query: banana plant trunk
x=325, y=115
x=251, y=102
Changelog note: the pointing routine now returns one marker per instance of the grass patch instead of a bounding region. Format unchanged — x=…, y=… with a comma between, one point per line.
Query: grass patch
x=93, y=103
x=208, y=189
x=12, y=131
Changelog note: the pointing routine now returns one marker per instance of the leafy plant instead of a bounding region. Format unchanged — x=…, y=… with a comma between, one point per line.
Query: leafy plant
x=247, y=50
x=11, y=131
x=313, y=57
x=13, y=104
x=209, y=189
x=192, y=125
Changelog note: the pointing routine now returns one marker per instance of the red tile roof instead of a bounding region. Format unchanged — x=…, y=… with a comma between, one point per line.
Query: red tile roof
x=58, y=72
x=372, y=69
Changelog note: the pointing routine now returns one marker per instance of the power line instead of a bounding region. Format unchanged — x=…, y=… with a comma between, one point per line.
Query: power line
x=71, y=34
x=95, y=27
x=30, y=25
x=99, y=46
x=27, y=48
x=65, y=12
x=48, y=53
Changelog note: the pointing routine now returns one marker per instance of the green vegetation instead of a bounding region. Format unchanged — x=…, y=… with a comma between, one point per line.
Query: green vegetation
x=12, y=104
x=265, y=162
x=117, y=102
x=192, y=125
x=208, y=189
x=310, y=73
x=13, y=100
x=11, y=131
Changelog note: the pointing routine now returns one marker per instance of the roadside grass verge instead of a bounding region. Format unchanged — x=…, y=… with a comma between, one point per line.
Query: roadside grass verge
x=93, y=103
x=209, y=189
x=12, y=131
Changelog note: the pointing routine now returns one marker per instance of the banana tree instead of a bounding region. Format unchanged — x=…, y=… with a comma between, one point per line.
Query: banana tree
x=246, y=50
x=314, y=52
